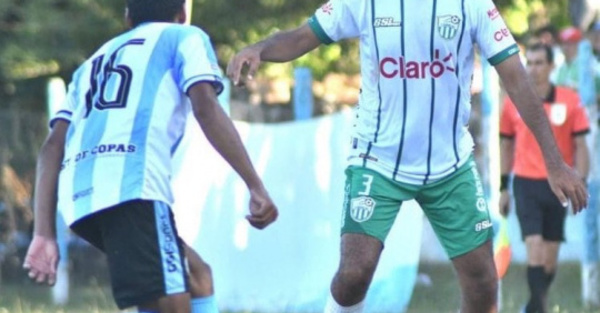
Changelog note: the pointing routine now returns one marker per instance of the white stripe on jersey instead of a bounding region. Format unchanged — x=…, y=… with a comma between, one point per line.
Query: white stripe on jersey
x=416, y=67
x=127, y=106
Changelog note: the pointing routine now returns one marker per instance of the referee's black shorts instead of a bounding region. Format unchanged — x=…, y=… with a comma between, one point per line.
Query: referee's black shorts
x=538, y=209
x=145, y=254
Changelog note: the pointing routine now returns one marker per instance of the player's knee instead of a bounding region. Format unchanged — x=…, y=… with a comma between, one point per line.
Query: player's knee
x=200, y=269
x=201, y=282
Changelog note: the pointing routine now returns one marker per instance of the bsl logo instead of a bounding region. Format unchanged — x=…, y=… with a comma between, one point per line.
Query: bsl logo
x=392, y=67
x=385, y=22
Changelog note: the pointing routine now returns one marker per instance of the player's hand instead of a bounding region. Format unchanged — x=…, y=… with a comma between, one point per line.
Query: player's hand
x=42, y=259
x=504, y=203
x=262, y=210
x=569, y=187
x=249, y=57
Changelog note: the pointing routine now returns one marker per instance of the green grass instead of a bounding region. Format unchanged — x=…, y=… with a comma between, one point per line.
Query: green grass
x=441, y=297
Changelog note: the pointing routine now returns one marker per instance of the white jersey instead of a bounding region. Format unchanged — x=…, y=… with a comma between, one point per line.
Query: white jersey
x=127, y=106
x=416, y=67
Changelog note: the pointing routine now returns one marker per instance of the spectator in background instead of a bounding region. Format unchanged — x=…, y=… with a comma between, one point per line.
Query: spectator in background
x=548, y=35
x=594, y=36
x=566, y=73
x=595, y=39
x=540, y=213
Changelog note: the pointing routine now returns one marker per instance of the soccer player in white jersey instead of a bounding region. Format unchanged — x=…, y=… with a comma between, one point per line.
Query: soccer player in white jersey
x=411, y=139
x=106, y=163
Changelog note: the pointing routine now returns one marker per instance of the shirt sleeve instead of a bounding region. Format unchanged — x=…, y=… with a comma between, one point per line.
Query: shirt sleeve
x=196, y=61
x=65, y=111
x=490, y=32
x=581, y=123
x=335, y=20
x=507, y=127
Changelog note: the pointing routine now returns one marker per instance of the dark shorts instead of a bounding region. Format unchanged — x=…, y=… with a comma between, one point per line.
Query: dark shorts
x=145, y=255
x=538, y=209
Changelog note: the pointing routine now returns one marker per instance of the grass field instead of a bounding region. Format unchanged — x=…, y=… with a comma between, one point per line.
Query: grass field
x=441, y=296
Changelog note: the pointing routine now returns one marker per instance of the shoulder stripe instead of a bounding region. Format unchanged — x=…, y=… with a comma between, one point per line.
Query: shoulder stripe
x=318, y=30
x=581, y=132
x=504, y=54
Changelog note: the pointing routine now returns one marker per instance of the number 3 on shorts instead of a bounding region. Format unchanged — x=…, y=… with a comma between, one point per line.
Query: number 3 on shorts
x=368, y=180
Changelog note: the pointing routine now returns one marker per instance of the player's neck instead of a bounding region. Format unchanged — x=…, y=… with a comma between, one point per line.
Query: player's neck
x=543, y=89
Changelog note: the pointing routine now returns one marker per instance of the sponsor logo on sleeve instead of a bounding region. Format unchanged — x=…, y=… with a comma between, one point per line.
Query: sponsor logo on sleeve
x=493, y=13
x=327, y=8
x=448, y=26
x=501, y=34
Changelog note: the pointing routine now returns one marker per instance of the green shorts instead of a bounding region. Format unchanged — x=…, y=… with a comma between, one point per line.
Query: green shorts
x=455, y=206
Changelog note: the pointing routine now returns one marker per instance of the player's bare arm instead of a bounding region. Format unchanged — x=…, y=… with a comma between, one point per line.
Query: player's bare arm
x=507, y=154
x=564, y=181
x=223, y=136
x=582, y=157
x=42, y=256
x=283, y=46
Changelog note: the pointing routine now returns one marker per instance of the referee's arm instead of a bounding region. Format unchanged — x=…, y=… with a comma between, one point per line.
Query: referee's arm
x=582, y=156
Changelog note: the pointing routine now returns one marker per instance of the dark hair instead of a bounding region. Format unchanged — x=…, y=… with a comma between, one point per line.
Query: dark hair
x=141, y=11
x=547, y=29
x=543, y=47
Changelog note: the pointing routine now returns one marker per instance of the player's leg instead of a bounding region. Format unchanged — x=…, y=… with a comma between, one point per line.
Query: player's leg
x=358, y=261
x=541, y=218
x=477, y=278
x=201, y=283
x=371, y=203
x=458, y=213
x=536, y=278
x=551, y=249
x=146, y=258
x=554, y=216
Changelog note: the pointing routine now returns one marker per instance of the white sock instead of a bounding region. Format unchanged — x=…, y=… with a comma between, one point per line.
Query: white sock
x=204, y=305
x=333, y=307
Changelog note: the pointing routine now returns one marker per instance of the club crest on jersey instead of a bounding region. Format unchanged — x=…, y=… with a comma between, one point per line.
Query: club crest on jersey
x=361, y=208
x=448, y=26
x=558, y=113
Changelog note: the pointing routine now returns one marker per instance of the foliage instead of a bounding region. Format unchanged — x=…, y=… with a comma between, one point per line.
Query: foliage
x=50, y=37
x=525, y=15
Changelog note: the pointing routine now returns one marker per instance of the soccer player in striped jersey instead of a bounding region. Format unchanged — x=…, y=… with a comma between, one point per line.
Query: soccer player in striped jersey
x=106, y=163
x=411, y=139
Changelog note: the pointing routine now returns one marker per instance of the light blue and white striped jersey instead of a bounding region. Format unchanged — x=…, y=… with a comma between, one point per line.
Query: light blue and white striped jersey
x=127, y=106
x=416, y=70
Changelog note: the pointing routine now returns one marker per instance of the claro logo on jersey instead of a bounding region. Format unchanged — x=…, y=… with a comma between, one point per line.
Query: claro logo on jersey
x=402, y=68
